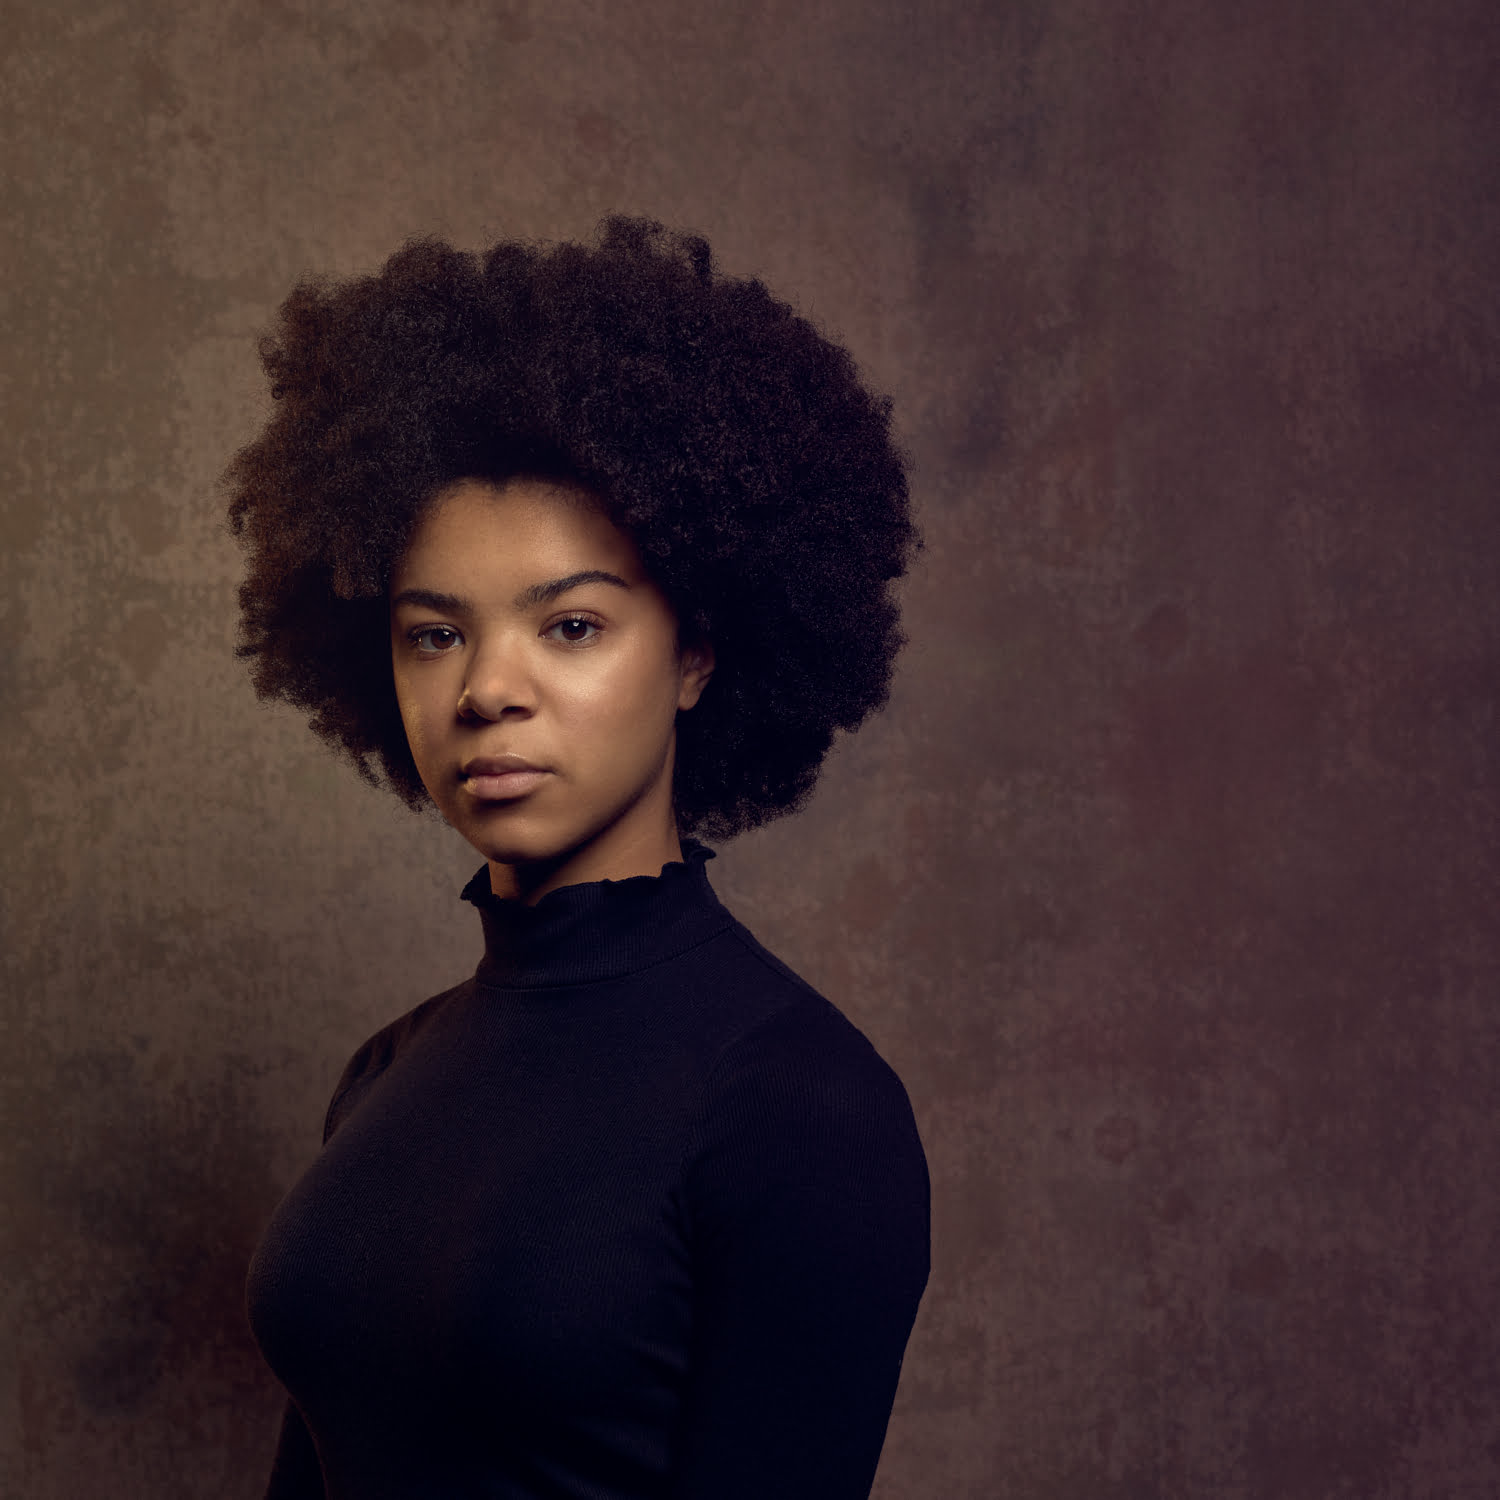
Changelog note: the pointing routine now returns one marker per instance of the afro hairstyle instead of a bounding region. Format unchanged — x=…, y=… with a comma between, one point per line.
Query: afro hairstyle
x=722, y=432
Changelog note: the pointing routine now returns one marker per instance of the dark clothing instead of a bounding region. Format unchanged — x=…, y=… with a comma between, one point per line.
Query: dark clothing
x=632, y=1212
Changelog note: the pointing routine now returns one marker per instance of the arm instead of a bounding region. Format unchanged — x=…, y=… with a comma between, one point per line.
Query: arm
x=296, y=1474
x=809, y=1213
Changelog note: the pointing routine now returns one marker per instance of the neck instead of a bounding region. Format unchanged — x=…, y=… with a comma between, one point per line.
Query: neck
x=595, y=930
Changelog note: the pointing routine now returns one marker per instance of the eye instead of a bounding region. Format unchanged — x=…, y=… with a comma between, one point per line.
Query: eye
x=576, y=630
x=433, y=640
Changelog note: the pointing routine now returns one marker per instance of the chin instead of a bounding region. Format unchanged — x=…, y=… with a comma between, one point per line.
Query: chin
x=508, y=841
x=522, y=851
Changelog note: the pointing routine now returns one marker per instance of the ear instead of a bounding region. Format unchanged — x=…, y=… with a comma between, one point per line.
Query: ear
x=697, y=665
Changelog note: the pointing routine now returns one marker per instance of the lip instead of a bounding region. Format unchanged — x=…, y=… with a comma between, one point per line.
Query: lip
x=496, y=765
x=498, y=778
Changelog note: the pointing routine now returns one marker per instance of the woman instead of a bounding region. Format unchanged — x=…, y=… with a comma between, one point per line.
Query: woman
x=589, y=548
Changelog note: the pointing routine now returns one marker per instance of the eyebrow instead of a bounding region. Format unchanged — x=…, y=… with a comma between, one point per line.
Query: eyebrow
x=538, y=593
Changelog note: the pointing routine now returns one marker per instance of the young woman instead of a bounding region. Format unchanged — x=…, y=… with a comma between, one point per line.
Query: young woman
x=589, y=548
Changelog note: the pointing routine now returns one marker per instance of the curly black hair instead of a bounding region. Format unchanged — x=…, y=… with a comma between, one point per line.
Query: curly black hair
x=724, y=434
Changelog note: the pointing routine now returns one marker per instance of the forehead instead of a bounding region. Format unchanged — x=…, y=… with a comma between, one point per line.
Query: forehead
x=517, y=532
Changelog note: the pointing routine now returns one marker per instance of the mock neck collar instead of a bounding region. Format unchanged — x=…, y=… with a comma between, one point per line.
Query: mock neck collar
x=604, y=929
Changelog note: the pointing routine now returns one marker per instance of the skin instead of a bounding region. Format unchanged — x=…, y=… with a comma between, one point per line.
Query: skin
x=499, y=649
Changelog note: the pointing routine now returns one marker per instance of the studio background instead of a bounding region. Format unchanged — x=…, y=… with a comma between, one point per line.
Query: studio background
x=1168, y=881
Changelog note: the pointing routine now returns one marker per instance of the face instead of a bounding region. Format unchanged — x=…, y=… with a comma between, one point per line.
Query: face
x=539, y=676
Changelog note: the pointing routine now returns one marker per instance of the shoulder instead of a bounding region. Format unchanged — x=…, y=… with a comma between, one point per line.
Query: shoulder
x=375, y=1055
x=798, y=1079
x=806, y=1153
x=795, y=1028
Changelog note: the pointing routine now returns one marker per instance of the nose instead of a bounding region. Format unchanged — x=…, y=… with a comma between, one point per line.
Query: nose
x=498, y=683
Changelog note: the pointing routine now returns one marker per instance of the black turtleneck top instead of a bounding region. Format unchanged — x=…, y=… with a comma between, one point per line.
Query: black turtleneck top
x=633, y=1212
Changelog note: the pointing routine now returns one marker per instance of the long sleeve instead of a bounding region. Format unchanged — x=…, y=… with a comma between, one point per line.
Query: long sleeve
x=296, y=1473
x=810, y=1222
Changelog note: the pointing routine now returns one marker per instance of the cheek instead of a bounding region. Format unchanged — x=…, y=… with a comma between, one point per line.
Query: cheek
x=416, y=715
x=634, y=703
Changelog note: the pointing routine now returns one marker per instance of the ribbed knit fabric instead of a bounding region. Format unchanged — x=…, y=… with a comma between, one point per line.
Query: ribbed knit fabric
x=631, y=1213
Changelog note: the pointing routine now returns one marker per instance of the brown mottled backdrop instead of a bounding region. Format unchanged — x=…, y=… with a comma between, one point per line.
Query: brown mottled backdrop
x=1168, y=881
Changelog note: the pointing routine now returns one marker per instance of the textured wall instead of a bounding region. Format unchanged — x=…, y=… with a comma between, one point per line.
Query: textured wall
x=1169, y=880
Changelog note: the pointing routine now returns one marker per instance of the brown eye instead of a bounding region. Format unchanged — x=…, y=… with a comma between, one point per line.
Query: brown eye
x=573, y=631
x=433, y=640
